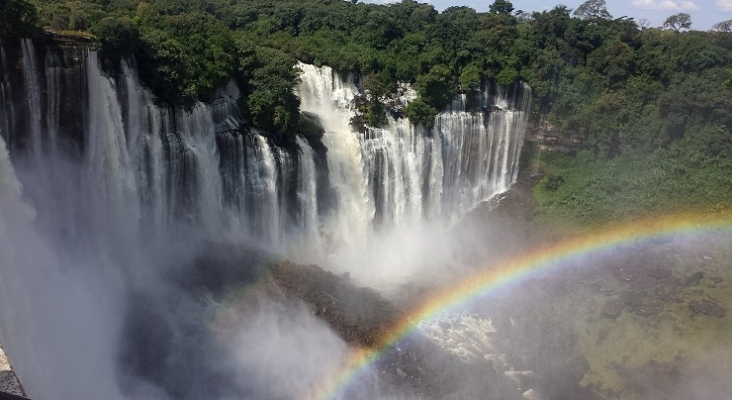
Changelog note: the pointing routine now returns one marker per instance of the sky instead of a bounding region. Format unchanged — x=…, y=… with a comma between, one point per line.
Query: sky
x=704, y=13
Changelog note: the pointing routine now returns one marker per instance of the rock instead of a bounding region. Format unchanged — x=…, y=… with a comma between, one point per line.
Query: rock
x=522, y=379
x=633, y=297
x=650, y=308
x=603, y=334
x=603, y=287
x=707, y=307
x=672, y=296
x=531, y=394
x=577, y=366
x=660, y=273
x=8, y=381
x=626, y=274
x=715, y=279
x=693, y=280
x=613, y=308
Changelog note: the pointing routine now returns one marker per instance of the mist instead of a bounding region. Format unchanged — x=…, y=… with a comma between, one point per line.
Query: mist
x=139, y=265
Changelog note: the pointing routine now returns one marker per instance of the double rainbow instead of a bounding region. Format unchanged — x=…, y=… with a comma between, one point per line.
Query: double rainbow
x=492, y=277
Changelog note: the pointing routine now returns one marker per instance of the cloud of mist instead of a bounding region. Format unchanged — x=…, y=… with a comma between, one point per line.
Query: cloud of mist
x=58, y=321
x=283, y=353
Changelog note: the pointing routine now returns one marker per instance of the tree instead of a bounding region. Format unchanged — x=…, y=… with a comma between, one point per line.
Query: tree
x=420, y=112
x=377, y=85
x=501, y=7
x=724, y=26
x=436, y=87
x=592, y=9
x=677, y=22
x=17, y=18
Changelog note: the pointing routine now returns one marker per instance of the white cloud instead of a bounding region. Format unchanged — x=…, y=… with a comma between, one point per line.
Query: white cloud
x=669, y=5
x=688, y=5
x=725, y=5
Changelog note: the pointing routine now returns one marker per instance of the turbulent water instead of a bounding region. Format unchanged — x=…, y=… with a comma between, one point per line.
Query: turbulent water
x=93, y=171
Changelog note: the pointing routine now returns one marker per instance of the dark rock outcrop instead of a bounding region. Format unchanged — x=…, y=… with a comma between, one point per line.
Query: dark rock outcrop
x=707, y=307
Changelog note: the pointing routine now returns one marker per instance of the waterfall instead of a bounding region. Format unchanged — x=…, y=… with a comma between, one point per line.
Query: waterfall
x=324, y=94
x=402, y=173
x=153, y=170
x=307, y=191
x=32, y=94
x=392, y=184
x=97, y=180
x=160, y=172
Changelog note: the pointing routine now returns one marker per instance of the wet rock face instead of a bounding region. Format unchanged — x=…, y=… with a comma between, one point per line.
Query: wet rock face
x=707, y=307
x=613, y=308
x=693, y=280
x=8, y=381
x=170, y=342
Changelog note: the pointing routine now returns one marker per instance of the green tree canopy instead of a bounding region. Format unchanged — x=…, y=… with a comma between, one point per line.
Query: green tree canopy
x=724, y=26
x=677, y=22
x=501, y=7
x=17, y=18
x=593, y=9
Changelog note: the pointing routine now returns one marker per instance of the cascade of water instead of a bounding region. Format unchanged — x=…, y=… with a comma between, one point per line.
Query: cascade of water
x=410, y=172
x=264, y=215
x=57, y=305
x=53, y=102
x=150, y=168
x=33, y=96
x=401, y=176
x=6, y=99
x=111, y=173
x=197, y=131
x=323, y=93
x=307, y=191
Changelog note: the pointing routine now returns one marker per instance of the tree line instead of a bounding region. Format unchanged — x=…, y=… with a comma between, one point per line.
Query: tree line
x=614, y=80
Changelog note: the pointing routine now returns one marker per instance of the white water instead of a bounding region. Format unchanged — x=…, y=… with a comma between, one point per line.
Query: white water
x=161, y=172
x=307, y=191
x=146, y=176
x=395, y=183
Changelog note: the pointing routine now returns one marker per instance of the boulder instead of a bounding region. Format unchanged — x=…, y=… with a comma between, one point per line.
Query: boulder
x=707, y=307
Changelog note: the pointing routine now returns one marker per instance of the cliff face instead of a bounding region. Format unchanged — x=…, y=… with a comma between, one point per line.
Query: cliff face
x=154, y=168
x=8, y=381
x=102, y=189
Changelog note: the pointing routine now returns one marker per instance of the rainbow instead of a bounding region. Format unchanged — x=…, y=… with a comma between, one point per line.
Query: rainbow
x=492, y=277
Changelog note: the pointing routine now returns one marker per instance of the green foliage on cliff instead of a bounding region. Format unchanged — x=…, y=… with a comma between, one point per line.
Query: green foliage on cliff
x=267, y=77
x=622, y=88
x=420, y=112
x=684, y=177
x=18, y=18
x=581, y=64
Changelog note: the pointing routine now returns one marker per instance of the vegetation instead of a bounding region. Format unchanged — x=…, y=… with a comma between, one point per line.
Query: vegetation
x=17, y=18
x=585, y=189
x=631, y=92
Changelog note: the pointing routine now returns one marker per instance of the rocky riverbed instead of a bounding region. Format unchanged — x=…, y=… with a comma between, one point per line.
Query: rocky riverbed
x=8, y=381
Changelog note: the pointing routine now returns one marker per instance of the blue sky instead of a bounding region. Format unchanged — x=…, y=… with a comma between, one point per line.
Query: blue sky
x=704, y=13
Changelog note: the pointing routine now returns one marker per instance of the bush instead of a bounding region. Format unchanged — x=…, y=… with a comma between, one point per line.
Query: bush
x=17, y=18
x=420, y=112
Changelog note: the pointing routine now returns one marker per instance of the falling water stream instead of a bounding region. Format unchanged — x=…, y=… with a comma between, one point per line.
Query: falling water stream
x=95, y=174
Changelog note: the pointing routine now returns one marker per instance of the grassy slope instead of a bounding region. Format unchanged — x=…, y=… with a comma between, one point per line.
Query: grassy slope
x=634, y=356
x=589, y=190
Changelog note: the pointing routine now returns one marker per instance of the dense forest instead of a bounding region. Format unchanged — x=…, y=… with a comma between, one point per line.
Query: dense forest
x=651, y=106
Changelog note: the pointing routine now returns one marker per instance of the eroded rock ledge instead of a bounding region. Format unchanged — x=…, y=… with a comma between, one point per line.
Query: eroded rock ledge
x=9, y=383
